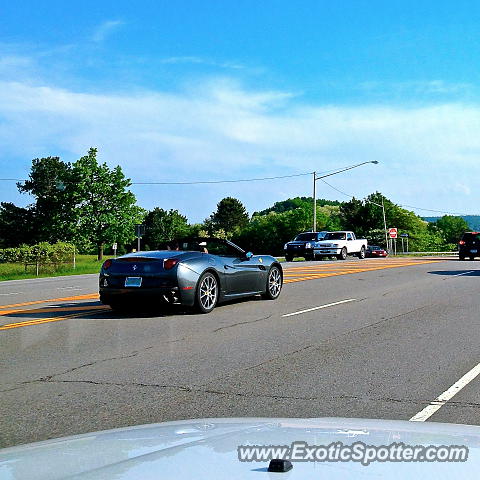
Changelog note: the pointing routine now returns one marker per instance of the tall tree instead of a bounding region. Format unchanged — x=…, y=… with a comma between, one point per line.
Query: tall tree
x=105, y=210
x=50, y=183
x=17, y=225
x=162, y=225
x=450, y=228
x=230, y=217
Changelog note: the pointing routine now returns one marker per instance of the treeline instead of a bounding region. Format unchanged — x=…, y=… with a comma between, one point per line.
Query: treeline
x=84, y=203
x=90, y=205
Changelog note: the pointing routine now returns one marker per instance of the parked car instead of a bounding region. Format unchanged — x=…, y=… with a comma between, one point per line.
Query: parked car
x=341, y=244
x=469, y=245
x=197, y=272
x=374, y=251
x=303, y=245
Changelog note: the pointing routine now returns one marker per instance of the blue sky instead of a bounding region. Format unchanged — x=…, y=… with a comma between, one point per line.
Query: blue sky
x=211, y=90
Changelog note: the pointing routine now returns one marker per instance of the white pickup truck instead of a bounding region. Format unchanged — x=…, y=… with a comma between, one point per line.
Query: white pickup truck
x=341, y=244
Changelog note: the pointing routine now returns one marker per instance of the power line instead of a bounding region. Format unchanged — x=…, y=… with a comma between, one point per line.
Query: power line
x=200, y=182
x=204, y=182
x=407, y=206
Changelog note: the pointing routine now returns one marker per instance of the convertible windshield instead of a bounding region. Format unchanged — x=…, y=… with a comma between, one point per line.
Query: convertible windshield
x=213, y=246
x=335, y=236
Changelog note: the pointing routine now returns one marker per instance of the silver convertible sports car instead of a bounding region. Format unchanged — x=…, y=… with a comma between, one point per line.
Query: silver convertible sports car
x=196, y=273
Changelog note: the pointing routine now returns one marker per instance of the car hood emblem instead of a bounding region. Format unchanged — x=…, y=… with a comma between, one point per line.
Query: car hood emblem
x=134, y=267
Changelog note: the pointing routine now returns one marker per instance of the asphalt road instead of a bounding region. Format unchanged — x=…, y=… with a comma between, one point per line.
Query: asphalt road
x=406, y=332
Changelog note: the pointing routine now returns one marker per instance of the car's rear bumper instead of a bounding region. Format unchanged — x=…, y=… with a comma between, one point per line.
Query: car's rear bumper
x=155, y=294
x=469, y=251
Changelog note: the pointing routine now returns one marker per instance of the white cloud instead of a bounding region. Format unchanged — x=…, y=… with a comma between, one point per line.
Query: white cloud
x=202, y=61
x=219, y=130
x=105, y=29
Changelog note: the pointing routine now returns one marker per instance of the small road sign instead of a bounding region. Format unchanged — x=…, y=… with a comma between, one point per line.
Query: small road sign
x=139, y=230
x=114, y=246
x=404, y=235
x=392, y=232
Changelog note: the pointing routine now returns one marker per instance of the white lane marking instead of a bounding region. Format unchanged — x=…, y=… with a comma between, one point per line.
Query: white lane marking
x=464, y=273
x=441, y=400
x=13, y=293
x=318, y=308
x=69, y=288
x=84, y=276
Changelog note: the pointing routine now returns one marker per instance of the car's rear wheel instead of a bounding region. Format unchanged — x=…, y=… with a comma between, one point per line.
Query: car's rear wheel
x=361, y=254
x=288, y=258
x=472, y=258
x=461, y=257
x=274, y=284
x=206, y=296
x=343, y=254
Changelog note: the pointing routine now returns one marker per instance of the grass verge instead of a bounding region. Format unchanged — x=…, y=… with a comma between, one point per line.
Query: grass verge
x=16, y=271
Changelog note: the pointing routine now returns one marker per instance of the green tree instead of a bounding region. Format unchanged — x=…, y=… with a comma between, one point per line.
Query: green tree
x=162, y=225
x=230, y=216
x=266, y=234
x=450, y=228
x=297, y=202
x=16, y=225
x=50, y=183
x=105, y=210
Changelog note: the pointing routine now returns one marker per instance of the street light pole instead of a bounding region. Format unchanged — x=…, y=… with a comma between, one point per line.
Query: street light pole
x=314, y=201
x=384, y=220
x=315, y=178
x=385, y=225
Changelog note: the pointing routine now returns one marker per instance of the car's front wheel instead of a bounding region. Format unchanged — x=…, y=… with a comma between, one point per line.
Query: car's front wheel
x=274, y=284
x=206, y=296
x=343, y=254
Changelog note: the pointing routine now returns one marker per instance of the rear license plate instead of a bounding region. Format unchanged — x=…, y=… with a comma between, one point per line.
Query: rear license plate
x=133, y=281
x=473, y=251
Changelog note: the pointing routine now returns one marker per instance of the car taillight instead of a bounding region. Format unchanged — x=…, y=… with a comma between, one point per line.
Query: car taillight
x=107, y=264
x=461, y=242
x=169, y=263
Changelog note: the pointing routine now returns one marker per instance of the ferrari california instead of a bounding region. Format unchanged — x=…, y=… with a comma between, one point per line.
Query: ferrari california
x=198, y=273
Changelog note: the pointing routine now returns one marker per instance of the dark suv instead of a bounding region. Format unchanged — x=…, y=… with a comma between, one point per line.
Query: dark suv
x=303, y=245
x=469, y=245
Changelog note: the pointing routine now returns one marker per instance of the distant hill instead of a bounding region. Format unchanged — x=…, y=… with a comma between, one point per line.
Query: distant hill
x=293, y=203
x=472, y=220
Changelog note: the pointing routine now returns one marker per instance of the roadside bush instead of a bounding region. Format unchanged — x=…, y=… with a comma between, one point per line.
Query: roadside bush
x=40, y=254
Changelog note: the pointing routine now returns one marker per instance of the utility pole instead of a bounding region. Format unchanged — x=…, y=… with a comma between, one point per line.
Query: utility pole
x=314, y=202
x=315, y=178
x=385, y=225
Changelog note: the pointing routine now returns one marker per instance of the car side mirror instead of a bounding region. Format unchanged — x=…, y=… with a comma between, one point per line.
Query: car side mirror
x=248, y=255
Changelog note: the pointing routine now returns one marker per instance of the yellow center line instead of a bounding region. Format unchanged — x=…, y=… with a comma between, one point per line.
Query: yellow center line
x=311, y=275
x=356, y=265
x=89, y=296
x=70, y=308
x=46, y=320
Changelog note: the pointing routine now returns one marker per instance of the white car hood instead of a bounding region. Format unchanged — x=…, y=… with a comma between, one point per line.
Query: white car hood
x=207, y=449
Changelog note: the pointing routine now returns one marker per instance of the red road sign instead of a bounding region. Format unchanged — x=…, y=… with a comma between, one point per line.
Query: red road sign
x=392, y=232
